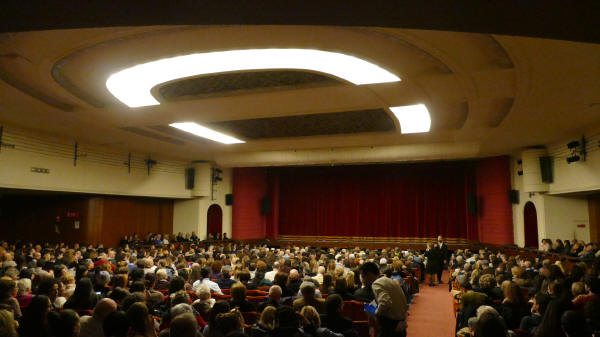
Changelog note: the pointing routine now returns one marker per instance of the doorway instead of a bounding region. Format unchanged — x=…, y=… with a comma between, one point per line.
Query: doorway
x=531, y=225
x=214, y=220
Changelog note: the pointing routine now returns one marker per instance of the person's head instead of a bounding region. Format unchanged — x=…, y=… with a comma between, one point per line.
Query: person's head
x=8, y=288
x=311, y=315
x=83, y=288
x=333, y=304
x=23, y=287
x=49, y=287
x=275, y=293
x=281, y=279
x=139, y=319
x=64, y=323
x=8, y=325
x=204, y=273
x=540, y=303
x=577, y=288
x=238, y=292
x=176, y=284
x=513, y=293
x=104, y=307
x=116, y=324
x=217, y=309
x=285, y=317
x=573, y=324
x=180, y=309
x=369, y=272
x=440, y=238
x=307, y=290
x=592, y=284
x=229, y=322
x=327, y=281
x=184, y=325
x=267, y=317
x=490, y=325
x=203, y=292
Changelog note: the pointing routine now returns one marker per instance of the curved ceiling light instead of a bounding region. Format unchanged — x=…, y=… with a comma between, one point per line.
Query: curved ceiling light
x=412, y=118
x=204, y=132
x=132, y=85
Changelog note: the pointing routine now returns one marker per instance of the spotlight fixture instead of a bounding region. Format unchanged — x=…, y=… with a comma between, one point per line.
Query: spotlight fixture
x=577, y=149
x=132, y=85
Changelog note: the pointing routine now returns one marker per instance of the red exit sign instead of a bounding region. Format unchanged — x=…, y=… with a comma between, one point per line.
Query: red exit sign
x=72, y=215
x=581, y=225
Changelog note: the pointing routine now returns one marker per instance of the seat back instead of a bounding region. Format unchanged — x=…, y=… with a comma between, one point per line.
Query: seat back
x=354, y=310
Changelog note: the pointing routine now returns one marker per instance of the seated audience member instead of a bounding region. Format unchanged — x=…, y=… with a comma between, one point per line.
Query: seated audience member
x=342, y=290
x=573, y=324
x=333, y=318
x=33, y=323
x=162, y=280
x=266, y=323
x=487, y=285
x=212, y=329
x=175, y=311
x=514, y=306
x=184, y=325
x=282, y=280
x=140, y=321
x=63, y=324
x=295, y=281
x=50, y=287
x=8, y=292
x=327, y=285
x=204, y=279
x=287, y=323
x=490, y=325
x=231, y=323
x=225, y=281
x=8, y=325
x=530, y=323
x=313, y=326
x=204, y=302
x=84, y=297
x=577, y=288
x=91, y=326
x=270, y=275
x=308, y=298
x=273, y=299
x=592, y=291
x=24, y=294
x=238, y=299
x=118, y=295
x=259, y=280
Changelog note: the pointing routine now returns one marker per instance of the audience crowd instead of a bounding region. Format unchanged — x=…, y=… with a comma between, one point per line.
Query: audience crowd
x=501, y=295
x=187, y=287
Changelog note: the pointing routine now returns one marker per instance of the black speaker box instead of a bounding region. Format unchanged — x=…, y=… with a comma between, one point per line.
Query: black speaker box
x=189, y=178
x=513, y=196
x=546, y=169
x=265, y=205
x=472, y=203
x=229, y=199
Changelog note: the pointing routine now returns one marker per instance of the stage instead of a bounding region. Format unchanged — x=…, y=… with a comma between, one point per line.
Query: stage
x=368, y=242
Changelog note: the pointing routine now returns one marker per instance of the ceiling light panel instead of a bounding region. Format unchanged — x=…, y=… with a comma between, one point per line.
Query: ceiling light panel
x=205, y=132
x=412, y=118
x=132, y=85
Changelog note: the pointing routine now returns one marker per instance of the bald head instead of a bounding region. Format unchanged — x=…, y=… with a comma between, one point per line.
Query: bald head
x=294, y=274
x=104, y=307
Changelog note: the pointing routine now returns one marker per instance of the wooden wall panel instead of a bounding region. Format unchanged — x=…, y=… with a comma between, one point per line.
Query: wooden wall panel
x=102, y=219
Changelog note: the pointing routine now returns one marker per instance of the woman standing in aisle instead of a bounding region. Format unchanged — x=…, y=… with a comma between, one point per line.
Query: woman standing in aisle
x=433, y=262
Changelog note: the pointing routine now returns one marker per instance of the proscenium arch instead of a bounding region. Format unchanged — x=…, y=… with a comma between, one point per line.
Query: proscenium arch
x=133, y=85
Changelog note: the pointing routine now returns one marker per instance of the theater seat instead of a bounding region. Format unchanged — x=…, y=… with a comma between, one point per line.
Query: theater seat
x=256, y=299
x=354, y=310
x=220, y=297
x=250, y=317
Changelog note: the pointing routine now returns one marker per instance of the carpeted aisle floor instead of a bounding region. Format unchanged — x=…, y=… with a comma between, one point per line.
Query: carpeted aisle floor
x=431, y=312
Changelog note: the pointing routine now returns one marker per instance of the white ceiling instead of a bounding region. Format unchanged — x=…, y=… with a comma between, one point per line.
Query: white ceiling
x=487, y=95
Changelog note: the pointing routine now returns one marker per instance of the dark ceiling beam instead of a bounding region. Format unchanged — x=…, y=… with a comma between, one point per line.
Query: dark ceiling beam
x=566, y=20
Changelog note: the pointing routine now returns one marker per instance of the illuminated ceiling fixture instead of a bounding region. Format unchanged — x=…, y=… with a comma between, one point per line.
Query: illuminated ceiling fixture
x=132, y=85
x=412, y=118
x=205, y=132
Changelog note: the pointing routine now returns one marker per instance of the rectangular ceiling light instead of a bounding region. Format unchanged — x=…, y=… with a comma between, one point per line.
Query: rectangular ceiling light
x=412, y=118
x=205, y=132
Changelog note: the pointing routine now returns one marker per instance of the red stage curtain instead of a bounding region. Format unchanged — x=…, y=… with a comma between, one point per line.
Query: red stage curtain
x=414, y=200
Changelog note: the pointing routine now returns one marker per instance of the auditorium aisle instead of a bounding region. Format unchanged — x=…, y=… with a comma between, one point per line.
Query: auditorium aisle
x=431, y=313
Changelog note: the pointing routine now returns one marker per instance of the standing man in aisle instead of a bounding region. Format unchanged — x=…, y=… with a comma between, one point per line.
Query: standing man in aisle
x=390, y=315
x=443, y=246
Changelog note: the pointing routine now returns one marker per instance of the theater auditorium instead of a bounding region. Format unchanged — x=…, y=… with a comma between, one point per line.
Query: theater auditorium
x=261, y=169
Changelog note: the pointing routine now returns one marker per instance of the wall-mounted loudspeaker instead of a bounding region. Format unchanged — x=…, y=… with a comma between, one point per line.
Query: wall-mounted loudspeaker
x=513, y=196
x=546, y=169
x=265, y=205
x=189, y=178
x=229, y=199
x=472, y=203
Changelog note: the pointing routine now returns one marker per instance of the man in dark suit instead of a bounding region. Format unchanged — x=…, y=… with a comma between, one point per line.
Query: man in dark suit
x=443, y=247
